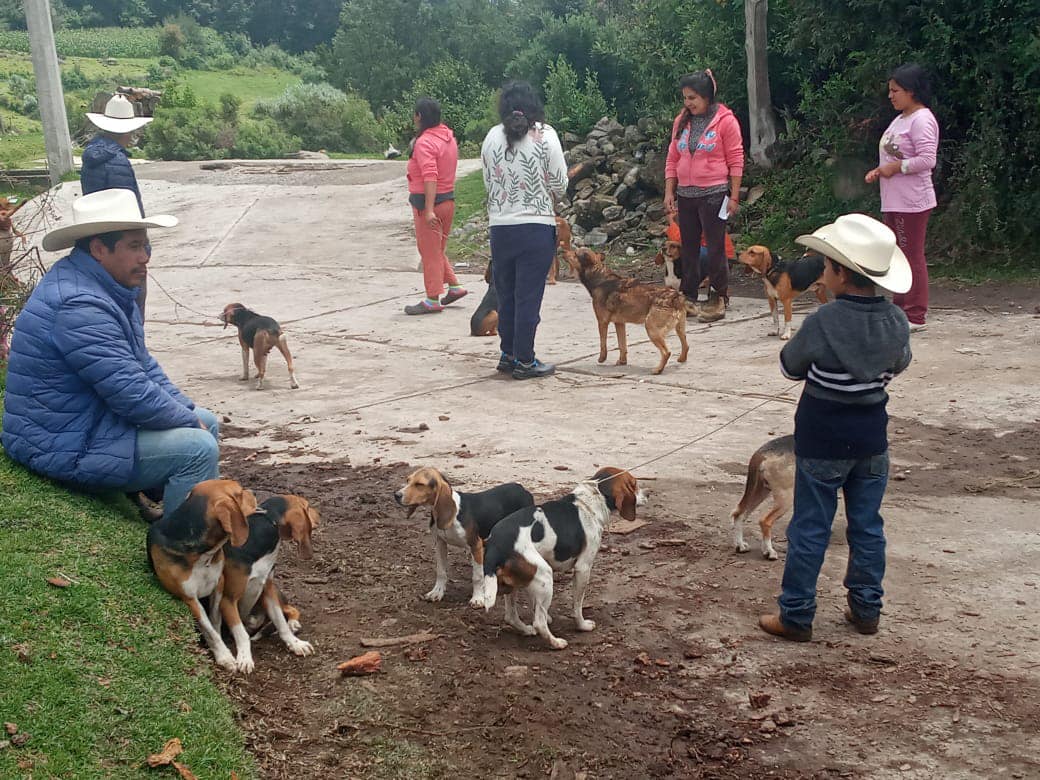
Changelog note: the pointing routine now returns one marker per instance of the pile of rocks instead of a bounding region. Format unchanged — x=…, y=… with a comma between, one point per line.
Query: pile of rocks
x=617, y=182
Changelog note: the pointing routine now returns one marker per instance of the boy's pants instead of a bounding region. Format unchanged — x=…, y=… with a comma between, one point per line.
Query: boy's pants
x=816, y=488
x=520, y=259
x=177, y=459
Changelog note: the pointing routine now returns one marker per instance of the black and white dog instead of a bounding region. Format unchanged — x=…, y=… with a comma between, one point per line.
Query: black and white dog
x=525, y=548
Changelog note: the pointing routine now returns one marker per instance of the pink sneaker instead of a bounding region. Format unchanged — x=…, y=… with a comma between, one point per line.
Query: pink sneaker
x=453, y=295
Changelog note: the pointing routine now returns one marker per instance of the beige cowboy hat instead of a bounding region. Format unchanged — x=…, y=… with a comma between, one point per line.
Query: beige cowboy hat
x=866, y=246
x=119, y=116
x=102, y=212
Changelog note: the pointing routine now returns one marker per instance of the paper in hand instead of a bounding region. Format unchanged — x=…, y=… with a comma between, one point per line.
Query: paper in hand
x=724, y=211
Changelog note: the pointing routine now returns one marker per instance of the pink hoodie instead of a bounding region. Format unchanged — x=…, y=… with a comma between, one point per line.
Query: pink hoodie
x=718, y=155
x=434, y=158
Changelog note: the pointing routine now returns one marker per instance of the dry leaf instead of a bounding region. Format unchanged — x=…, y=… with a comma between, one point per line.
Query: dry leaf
x=368, y=663
x=185, y=773
x=170, y=751
x=11, y=728
x=58, y=582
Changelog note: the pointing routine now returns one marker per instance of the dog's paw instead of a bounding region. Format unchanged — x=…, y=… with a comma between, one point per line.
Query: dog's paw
x=434, y=595
x=244, y=378
x=226, y=661
x=742, y=547
x=558, y=644
x=477, y=602
x=785, y=335
x=773, y=332
x=295, y=385
x=299, y=647
x=260, y=384
x=586, y=625
x=245, y=665
x=621, y=361
x=769, y=553
x=602, y=357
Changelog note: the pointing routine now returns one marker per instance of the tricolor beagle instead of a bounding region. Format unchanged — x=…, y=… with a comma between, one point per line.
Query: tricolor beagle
x=670, y=257
x=248, y=580
x=785, y=280
x=260, y=334
x=461, y=520
x=525, y=548
x=186, y=549
x=770, y=472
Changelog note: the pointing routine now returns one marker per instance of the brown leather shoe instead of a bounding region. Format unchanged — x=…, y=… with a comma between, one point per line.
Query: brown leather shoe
x=863, y=626
x=693, y=308
x=714, y=310
x=772, y=624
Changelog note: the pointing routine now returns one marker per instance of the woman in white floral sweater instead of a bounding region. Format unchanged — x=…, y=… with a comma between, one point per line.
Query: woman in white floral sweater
x=524, y=170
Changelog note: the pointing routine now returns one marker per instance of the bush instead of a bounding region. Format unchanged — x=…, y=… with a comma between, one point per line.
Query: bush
x=73, y=79
x=172, y=41
x=262, y=139
x=568, y=107
x=323, y=117
x=185, y=133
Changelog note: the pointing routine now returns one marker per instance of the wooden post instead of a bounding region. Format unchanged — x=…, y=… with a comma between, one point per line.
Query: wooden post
x=760, y=99
x=48, y=88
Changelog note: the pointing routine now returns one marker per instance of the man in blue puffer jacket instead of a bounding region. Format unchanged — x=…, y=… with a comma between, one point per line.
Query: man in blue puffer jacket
x=106, y=164
x=86, y=403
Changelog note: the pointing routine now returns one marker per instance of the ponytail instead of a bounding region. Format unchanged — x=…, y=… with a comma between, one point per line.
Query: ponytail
x=519, y=108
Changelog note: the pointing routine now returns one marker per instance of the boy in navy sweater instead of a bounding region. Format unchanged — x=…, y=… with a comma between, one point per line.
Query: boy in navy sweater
x=847, y=352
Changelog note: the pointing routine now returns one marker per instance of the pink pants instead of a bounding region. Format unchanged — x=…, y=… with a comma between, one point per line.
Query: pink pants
x=910, y=231
x=431, y=241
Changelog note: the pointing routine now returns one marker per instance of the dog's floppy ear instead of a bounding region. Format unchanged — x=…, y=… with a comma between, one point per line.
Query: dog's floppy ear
x=231, y=511
x=659, y=258
x=624, y=487
x=443, y=503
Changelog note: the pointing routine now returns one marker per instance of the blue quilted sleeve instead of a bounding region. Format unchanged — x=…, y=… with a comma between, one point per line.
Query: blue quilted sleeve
x=157, y=375
x=95, y=347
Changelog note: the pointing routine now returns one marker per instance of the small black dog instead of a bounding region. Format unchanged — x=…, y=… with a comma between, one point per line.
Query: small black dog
x=259, y=334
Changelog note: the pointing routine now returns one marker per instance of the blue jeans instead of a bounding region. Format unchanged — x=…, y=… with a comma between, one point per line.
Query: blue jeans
x=521, y=256
x=816, y=486
x=176, y=459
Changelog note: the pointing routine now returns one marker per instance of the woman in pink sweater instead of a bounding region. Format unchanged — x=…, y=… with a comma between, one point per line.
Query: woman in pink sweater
x=704, y=166
x=431, y=193
x=907, y=157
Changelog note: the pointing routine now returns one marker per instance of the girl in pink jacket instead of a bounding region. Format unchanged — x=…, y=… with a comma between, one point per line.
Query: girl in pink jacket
x=431, y=193
x=704, y=167
x=907, y=156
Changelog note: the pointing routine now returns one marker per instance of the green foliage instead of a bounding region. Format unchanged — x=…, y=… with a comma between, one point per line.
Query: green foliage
x=229, y=106
x=261, y=139
x=467, y=104
x=186, y=132
x=120, y=42
x=324, y=117
x=568, y=106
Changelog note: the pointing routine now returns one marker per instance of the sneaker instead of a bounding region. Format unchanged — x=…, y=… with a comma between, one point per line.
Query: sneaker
x=423, y=307
x=917, y=327
x=862, y=625
x=772, y=624
x=506, y=363
x=453, y=295
x=533, y=370
x=146, y=508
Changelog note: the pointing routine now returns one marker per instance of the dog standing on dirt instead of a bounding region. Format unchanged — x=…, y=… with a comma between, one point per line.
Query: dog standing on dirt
x=563, y=246
x=770, y=472
x=617, y=299
x=785, y=280
x=259, y=334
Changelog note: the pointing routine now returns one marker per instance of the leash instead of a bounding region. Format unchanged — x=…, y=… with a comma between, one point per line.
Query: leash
x=176, y=304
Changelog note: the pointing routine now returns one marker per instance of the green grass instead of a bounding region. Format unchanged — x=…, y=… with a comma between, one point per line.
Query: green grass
x=19, y=151
x=93, y=42
x=470, y=200
x=249, y=84
x=102, y=673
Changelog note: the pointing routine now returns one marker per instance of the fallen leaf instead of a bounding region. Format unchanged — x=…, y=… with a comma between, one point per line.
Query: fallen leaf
x=19, y=739
x=170, y=751
x=411, y=639
x=417, y=653
x=58, y=582
x=367, y=663
x=644, y=659
x=185, y=773
x=11, y=728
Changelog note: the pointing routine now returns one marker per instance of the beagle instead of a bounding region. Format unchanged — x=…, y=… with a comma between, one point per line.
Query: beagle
x=484, y=321
x=526, y=548
x=259, y=334
x=186, y=549
x=670, y=257
x=248, y=580
x=770, y=472
x=785, y=280
x=461, y=520
x=563, y=243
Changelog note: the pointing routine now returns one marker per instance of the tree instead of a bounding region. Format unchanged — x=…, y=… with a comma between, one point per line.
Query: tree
x=760, y=100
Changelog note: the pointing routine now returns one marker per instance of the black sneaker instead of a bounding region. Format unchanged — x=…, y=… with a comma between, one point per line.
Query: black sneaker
x=533, y=370
x=506, y=363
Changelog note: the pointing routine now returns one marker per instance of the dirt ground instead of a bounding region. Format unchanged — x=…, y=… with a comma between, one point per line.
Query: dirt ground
x=674, y=682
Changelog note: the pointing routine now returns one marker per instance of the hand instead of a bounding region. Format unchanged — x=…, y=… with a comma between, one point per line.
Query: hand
x=734, y=207
x=669, y=203
x=872, y=175
x=431, y=218
x=203, y=425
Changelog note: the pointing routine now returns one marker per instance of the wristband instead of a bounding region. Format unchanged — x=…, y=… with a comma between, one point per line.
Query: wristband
x=904, y=166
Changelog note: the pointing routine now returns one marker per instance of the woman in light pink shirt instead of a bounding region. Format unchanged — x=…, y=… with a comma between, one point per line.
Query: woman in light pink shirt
x=907, y=157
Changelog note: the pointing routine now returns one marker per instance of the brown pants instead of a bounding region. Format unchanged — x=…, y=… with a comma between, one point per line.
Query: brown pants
x=699, y=216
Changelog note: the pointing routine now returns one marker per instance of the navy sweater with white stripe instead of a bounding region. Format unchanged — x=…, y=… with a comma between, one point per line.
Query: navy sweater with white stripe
x=847, y=353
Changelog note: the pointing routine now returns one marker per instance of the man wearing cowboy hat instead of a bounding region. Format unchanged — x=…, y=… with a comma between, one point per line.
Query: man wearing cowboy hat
x=86, y=403
x=847, y=352
x=106, y=164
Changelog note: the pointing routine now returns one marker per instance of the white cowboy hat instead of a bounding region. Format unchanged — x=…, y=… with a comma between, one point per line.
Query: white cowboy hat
x=102, y=212
x=119, y=116
x=871, y=243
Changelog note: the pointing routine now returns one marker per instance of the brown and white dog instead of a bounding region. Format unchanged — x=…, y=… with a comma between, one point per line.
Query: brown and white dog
x=460, y=520
x=785, y=280
x=248, y=580
x=563, y=246
x=526, y=548
x=617, y=299
x=260, y=334
x=770, y=472
x=670, y=257
x=186, y=549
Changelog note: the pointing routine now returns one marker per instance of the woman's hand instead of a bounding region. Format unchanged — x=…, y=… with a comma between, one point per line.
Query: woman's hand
x=669, y=203
x=734, y=208
x=431, y=218
x=886, y=171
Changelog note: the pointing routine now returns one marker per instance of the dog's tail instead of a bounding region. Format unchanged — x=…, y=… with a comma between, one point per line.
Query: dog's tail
x=490, y=591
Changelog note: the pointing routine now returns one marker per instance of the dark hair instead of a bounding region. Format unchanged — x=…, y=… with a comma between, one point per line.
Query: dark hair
x=519, y=107
x=914, y=79
x=703, y=83
x=109, y=239
x=429, y=111
x=856, y=279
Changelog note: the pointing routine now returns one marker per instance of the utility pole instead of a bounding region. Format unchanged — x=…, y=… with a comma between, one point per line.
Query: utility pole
x=48, y=88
